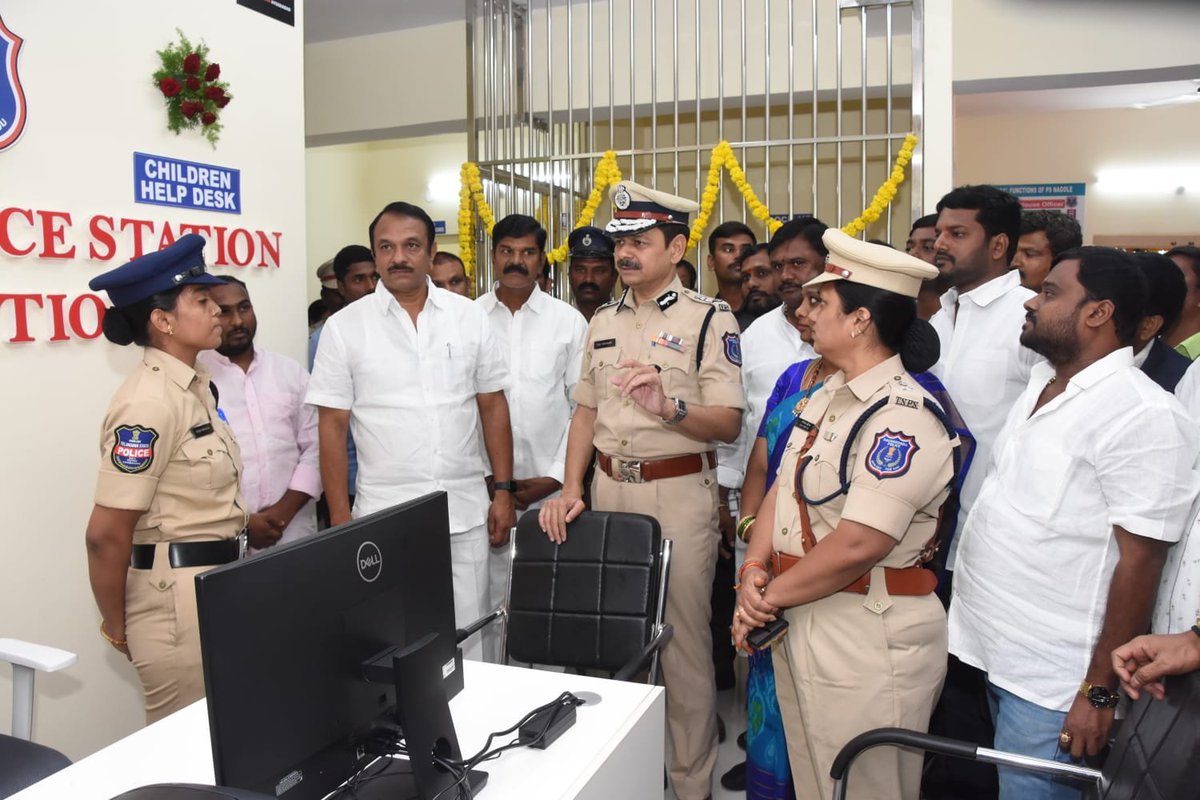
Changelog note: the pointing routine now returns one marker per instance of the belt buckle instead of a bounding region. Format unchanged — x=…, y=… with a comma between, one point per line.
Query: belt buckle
x=630, y=471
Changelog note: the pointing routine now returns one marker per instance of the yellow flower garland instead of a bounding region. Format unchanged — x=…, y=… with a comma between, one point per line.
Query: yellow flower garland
x=887, y=193
x=609, y=173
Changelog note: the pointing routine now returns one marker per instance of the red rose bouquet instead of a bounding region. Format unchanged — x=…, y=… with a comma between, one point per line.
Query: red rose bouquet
x=191, y=88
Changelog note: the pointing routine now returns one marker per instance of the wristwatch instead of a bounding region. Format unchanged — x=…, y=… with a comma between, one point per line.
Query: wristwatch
x=1196, y=627
x=1099, y=696
x=505, y=486
x=681, y=411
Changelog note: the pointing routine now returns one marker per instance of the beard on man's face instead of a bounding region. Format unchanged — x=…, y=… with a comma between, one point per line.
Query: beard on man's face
x=759, y=303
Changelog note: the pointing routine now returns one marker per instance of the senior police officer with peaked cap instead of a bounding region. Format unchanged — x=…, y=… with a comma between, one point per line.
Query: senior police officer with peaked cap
x=840, y=542
x=660, y=383
x=167, y=502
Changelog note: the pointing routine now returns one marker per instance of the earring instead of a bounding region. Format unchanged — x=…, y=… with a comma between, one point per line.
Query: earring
x=854, y=333
x=170, y=331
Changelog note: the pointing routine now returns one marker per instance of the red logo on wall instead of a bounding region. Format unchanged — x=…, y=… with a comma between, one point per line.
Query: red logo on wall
x=12, y=95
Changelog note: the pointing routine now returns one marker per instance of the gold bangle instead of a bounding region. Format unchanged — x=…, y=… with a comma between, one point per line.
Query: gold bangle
x=111, y=640
x=743, y=527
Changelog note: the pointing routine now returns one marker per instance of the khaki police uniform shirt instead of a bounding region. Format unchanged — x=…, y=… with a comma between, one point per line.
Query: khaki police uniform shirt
x=164, y=451
x=899, y=467
x=664, y=332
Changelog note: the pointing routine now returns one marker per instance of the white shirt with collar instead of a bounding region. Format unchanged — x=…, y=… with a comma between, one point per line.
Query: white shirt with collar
x=1038, y=551
x=411, y=391
x=543, y=344
x=770, y=345
x=275, y=428
x=984, y=367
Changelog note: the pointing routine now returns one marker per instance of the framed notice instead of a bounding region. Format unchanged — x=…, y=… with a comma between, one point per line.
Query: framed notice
x=282, y=10
x=1065, y=198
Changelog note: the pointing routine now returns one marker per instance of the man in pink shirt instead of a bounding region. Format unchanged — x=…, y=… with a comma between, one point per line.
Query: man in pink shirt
x=261, y=397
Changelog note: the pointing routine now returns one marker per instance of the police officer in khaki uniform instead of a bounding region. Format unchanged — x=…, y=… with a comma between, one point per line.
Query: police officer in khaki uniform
x=167, y=503
x=660, y=382
x=841, y=538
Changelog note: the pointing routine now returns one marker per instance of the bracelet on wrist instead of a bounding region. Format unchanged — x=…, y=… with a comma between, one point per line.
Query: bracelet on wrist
x=110, y=639
x=743, y=527
x=748, y=563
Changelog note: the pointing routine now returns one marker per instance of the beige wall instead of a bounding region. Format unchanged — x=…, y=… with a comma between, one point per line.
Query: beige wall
x=1071, y=147
x=348, y=184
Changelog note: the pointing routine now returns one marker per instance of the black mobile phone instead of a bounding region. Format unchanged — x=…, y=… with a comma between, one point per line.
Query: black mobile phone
x=767, y=635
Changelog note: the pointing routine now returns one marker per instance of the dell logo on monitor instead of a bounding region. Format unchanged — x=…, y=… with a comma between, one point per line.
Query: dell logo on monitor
x=370, y=561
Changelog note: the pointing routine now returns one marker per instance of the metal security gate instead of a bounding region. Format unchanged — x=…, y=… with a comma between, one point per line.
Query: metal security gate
x=814, y=96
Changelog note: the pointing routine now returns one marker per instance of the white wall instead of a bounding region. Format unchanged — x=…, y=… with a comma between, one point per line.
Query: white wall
x=86, y=68
x=1072, y=147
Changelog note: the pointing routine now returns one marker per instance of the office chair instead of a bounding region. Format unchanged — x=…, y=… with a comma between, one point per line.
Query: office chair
x=596, y=601
x=1153, y=757
x=22, y=762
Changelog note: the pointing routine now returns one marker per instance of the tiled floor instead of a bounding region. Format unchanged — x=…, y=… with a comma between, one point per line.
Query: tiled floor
x=733, y=710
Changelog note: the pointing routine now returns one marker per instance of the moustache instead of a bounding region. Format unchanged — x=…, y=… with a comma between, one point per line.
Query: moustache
x=588, y=287
x=515, y=269
x=628, y=263
x=400, y=268
x=790, y=286
x=235, y=331
x=943, y=258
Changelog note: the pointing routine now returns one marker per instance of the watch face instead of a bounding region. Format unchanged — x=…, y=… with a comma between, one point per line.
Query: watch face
x=1100, y=697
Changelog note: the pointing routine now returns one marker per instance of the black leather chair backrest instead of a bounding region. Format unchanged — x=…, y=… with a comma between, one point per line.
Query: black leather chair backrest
x=1157, y=752
x=589, y=602
x=24, y=763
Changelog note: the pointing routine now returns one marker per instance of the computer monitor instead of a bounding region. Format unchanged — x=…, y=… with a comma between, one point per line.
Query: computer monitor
x=284, y=636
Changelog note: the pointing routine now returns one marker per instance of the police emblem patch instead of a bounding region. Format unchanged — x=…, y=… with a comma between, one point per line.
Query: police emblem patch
x=733, y=348
x=133, y=450
x=892, y=454
x=12, y=95
x=622, y=199
x=586, y=241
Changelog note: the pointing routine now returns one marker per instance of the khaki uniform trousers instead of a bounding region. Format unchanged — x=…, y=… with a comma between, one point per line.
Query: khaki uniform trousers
x=163, y=632
x=686, y=509
x=844, y=669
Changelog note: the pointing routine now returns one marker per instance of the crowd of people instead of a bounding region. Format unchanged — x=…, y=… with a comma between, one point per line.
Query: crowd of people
x=948, y=487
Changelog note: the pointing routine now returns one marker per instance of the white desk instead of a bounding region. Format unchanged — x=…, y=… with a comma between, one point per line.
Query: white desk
x=614, y=750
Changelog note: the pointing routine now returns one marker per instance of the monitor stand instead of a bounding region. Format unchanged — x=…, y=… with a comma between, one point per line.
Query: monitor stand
x=397, y=780
x=423, y=714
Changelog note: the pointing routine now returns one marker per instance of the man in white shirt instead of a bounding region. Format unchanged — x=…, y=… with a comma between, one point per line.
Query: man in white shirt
x=1092, y=479
x=542, y=339
x=412, y=371
x=261, y=397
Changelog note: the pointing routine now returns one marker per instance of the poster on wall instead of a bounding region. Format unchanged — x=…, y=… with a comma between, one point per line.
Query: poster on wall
x=282, y=10
x=1065, y=198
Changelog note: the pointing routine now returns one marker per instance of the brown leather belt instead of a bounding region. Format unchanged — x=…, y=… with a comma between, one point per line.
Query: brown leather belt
x=907, y=581
x=639, y=471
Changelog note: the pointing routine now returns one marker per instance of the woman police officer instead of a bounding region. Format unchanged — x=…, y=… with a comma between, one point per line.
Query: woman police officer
x=841, y=536
x=167, y=504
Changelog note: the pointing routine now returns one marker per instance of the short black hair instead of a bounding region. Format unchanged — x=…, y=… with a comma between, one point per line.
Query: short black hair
x=927, y=221
x=728, y=230
x=349, y=255
x=1165, y=288
x=1062, y=232
x=754, y=249
x=996, y=210
x=672, y=229
x=689, y=268
x=1189, y=252
x=810, y=228
x=518, y=226
x=238, y=281
x=400, y=208
x=1110, y=274
x=442, y=256
x=316, y=311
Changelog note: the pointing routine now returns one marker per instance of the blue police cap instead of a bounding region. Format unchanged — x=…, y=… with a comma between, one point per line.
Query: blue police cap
x=589, y=242
x=178, y=264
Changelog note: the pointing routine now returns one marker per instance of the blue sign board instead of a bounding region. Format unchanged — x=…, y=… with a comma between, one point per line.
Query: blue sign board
x=163, y=181
x=439, y=226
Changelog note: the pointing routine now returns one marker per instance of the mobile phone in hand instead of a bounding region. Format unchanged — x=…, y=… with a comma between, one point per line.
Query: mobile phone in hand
x=767, y=635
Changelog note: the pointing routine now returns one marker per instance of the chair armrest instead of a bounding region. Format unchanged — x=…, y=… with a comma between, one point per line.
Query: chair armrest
x=35, y=656
x=462, y=634
x=635, y=664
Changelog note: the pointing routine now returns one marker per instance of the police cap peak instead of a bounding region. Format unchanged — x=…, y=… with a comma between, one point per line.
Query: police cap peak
x=875, y=265
x=638, y=208
x=178, y=264
x=589, y=242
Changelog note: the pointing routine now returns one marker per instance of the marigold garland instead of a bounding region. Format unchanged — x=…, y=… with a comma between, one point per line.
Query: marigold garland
x=887, y=193
x=609, y=173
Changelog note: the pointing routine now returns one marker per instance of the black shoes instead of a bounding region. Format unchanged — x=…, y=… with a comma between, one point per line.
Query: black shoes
x=735, y=779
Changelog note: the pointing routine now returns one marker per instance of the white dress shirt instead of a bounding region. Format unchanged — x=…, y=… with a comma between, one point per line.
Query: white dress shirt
x=770, y=345
x=543, y=343
x=1038, y=551
x=984, y=367
x=411, y=391
x=1188, y=390
x=276, y=431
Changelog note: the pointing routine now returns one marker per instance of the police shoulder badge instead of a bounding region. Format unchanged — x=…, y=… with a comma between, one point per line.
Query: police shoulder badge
x=892, y=454
x=733, y=348
x=133, y=448
x=12, y=94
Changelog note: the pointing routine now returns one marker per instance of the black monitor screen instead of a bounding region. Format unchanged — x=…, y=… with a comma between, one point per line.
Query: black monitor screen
x=284, y=634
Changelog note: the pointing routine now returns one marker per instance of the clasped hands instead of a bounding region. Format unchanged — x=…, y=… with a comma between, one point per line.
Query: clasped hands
x=752, y=610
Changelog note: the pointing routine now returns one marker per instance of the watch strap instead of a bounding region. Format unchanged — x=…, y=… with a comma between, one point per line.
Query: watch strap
x=504, y=486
